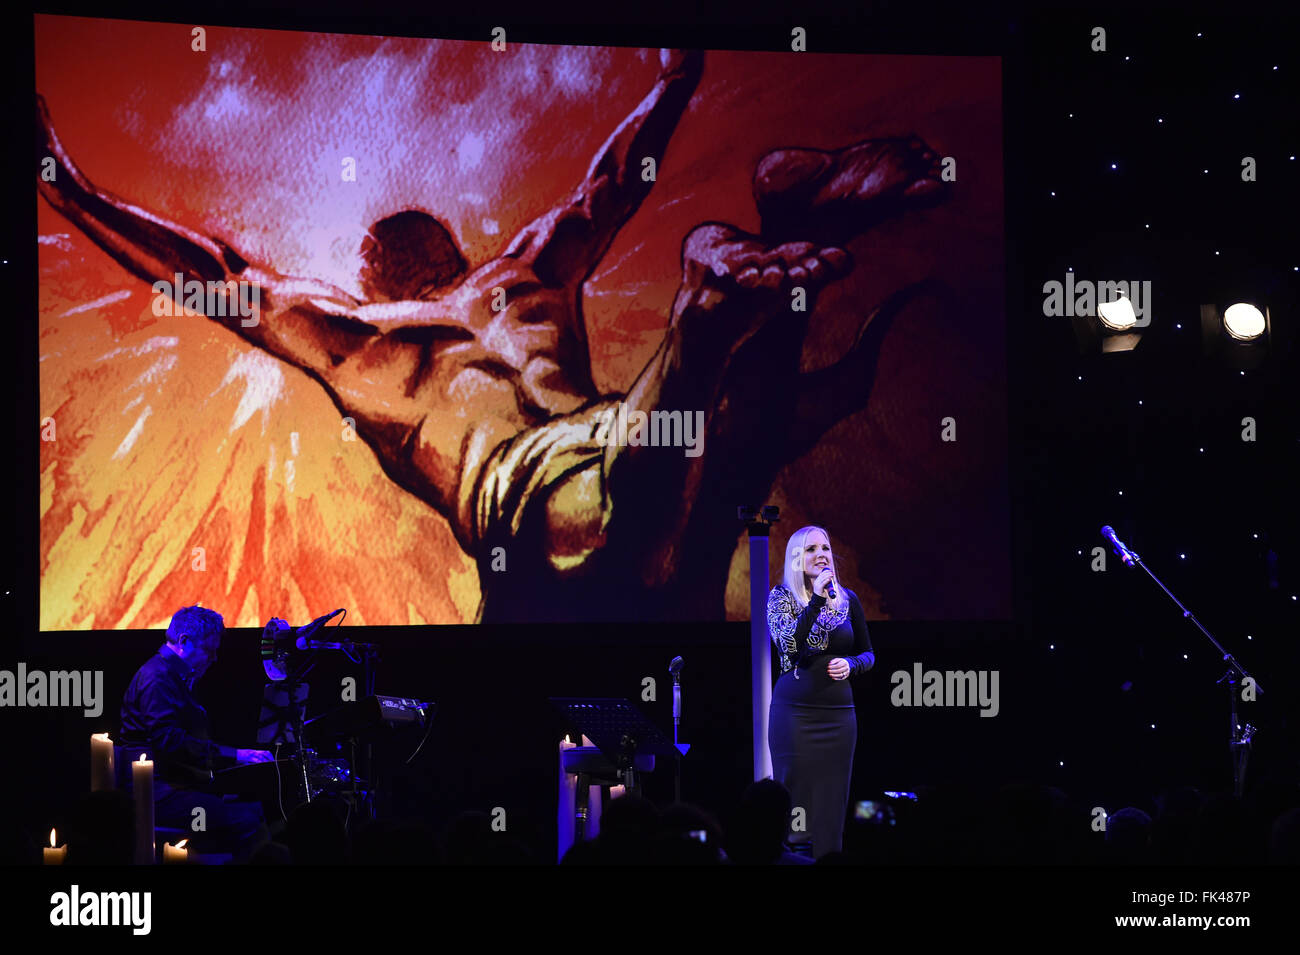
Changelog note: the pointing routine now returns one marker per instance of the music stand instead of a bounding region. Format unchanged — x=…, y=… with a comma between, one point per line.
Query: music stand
x=619, y=731
x=281, y=717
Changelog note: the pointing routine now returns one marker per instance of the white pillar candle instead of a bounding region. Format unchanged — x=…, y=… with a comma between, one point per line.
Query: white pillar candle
x=101, y=763
x=176, y=854
x=142, y=786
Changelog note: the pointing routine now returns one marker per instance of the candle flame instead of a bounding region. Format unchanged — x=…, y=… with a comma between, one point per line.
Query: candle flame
x=100, y=736
x=181, y=844
x=142, y=758
x=53, y=844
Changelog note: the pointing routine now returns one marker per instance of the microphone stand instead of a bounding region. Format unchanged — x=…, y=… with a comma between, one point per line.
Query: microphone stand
x=1239, y=736
x=371, y=655
x=302, y=755
x=677, y=720
x=294, y=682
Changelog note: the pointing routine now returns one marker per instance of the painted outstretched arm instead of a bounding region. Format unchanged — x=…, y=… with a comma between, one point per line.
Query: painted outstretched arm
x=304, y=321
x=564, y=246
x=146, y=245
x=825, y=397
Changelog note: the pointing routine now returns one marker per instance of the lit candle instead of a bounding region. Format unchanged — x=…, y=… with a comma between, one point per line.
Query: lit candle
x=101, y=763
x=174, y=854
x=54, y=853
x=142, y=786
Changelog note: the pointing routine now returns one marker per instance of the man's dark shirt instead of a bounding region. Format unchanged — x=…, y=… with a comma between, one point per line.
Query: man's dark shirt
x=161, y=717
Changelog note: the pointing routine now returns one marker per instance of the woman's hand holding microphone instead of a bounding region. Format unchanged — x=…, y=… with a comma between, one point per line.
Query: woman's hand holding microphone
x=823, y=581
x=838, y=668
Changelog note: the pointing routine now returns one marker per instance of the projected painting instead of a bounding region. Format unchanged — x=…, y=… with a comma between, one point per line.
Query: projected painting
x=440, y=333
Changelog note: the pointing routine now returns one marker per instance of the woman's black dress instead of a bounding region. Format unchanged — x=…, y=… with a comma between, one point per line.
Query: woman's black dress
x=812, y=725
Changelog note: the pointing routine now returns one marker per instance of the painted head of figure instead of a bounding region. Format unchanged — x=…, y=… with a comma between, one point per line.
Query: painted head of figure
x=408, y=256
x=808, y=554
x=195, y=636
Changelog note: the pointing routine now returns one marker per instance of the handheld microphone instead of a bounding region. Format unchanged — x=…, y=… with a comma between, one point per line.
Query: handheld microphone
x=1124, y=553
x=830, y=588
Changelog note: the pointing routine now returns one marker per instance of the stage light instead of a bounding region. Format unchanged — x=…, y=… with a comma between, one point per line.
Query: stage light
x=1110, y=326
x=1118, y=315
x=1240, y=335
x=1243, y=321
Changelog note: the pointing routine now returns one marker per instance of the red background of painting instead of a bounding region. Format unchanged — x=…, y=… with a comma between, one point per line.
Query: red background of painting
x=172, y=434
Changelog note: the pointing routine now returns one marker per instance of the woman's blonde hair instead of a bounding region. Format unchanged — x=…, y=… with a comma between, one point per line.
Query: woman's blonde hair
x=794, y=573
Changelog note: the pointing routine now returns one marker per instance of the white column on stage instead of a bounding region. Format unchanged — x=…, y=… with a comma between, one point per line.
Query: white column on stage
x=568, y=804
x=760, y=648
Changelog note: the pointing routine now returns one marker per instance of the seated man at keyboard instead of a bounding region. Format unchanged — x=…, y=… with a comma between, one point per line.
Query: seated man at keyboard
x=162, y=717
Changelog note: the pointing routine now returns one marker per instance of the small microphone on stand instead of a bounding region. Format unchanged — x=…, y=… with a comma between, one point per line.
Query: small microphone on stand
x=305, y=633
x=675, y=668
x=1126, y=555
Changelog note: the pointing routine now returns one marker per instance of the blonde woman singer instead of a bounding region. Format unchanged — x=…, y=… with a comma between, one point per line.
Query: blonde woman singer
x=820, y=633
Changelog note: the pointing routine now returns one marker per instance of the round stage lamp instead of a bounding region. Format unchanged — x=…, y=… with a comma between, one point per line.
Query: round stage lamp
x=1244, y=322
x=1118, y=315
